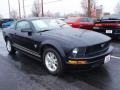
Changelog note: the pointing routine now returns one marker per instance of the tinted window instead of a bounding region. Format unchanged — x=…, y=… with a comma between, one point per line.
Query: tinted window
x=91, y=20
x=83, y=19
x=22, y=25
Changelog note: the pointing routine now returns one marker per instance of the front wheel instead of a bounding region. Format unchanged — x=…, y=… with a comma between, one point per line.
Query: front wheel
x=9, y=47
x=52, y=61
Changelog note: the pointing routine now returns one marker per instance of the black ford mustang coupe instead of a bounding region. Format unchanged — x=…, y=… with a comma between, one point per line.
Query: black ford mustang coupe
x=56, y=44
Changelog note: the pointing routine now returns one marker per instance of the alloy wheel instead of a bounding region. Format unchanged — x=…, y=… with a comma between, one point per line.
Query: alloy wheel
x=51, y=61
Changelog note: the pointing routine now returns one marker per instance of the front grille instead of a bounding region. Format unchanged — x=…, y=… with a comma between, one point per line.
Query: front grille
x=91, y=51
x=117, y=31
x=97, y=49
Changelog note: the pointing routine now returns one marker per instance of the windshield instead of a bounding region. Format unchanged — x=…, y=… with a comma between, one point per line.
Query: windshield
x=49, y=24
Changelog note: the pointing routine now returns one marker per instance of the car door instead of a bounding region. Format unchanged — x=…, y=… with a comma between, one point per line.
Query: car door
x=24, y=40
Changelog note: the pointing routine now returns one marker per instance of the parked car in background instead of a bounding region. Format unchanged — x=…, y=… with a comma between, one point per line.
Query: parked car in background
x=81, y=22
x=57, y=44
x=109, y=25
x=4, y=23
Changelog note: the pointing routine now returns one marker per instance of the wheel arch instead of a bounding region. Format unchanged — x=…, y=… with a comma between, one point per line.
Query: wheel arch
x=53, y=45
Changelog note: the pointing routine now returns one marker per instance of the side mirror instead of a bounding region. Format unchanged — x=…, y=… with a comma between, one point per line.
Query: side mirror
x=29, y=30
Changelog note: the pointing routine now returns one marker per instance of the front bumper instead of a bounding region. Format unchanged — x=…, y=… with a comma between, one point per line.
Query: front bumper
x=115, y=33
x=90, y=62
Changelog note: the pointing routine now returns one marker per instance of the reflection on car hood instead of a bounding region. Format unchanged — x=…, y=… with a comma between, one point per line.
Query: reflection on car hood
x=78, y=37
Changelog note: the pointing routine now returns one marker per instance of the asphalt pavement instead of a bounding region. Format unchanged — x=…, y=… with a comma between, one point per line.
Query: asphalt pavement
x=19, y=72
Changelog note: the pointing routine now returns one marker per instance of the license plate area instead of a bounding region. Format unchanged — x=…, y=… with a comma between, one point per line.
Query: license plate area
x=107, y=59
x=109, y=31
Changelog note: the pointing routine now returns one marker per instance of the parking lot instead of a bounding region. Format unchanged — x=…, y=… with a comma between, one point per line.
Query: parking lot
x=20, y=72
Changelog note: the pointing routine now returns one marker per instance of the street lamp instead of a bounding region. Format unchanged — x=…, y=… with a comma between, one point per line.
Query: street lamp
x=89, y=8
x=24, y=9
x=9, y=7
x=19, y=9
x=42, y=8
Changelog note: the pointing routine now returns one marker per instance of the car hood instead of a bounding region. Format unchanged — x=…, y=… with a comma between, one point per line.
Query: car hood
x=78, y=37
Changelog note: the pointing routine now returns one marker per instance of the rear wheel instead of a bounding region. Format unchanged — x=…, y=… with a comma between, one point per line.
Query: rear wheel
x=9, y=47
x=52, y=61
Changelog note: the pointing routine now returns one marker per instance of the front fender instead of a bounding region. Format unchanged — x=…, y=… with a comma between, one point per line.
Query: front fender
x=54, y=44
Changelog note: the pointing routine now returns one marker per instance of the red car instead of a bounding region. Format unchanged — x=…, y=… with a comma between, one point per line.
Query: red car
x=81, y=22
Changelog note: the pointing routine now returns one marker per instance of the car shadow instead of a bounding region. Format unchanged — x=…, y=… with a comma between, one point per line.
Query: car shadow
x=116, y=47
x=27, y=64
x=96, y=78
x=116, y=41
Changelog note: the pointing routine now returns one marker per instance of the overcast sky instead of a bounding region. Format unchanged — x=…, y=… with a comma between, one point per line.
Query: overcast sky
x=64, y=6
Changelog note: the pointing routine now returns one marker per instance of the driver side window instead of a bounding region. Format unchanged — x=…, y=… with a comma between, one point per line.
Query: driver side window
x=22, y=25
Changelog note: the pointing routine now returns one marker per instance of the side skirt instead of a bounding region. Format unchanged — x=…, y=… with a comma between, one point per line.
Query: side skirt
x=28, y=52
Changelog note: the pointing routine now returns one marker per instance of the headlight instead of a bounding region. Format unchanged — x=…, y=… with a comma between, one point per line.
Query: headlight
x=75, y=51
x=78, y=52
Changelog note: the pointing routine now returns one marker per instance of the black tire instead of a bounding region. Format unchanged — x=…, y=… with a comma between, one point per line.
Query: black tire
x=60, y=66
x=12, y=50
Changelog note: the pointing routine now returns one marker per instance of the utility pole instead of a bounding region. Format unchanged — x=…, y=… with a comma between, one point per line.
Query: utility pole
x=24, y=9
x=19, y=9
x=9, y=7
x=89, y=8
x=42, y=6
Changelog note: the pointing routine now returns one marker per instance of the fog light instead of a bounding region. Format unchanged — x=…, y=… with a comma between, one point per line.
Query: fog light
x=77, y=62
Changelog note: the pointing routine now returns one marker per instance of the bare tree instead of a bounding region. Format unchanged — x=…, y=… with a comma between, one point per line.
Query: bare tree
x=84, y=6
x=88, y=7
x=117, y=8
x=1, y=16
x=36, y=9
x=48, y=14
x=13, y=14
